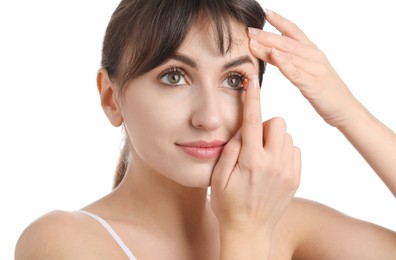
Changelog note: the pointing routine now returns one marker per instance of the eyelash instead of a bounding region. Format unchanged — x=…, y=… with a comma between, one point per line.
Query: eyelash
x=182, y=73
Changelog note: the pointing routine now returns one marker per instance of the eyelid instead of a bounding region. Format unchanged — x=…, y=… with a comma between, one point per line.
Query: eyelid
x=236, y=73
x=172, y=69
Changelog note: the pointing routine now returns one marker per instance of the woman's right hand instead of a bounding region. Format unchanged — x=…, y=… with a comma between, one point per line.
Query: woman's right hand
x=254, y=180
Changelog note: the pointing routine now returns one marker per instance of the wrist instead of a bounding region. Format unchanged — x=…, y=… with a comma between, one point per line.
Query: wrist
x=247, y=228
x=349, y=115
x=244, y=241
x=357, y=116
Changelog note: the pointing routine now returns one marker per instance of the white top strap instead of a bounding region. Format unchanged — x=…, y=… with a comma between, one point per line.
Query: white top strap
x=112, y=233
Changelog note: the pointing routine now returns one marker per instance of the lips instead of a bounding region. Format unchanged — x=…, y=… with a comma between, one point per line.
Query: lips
x=203, y=150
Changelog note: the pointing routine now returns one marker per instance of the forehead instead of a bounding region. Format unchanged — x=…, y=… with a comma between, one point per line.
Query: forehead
x=203, y=38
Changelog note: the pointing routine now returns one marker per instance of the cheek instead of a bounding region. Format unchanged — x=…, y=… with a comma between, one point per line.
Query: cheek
x=143, y=120
x=149, y=122
x=232, y=111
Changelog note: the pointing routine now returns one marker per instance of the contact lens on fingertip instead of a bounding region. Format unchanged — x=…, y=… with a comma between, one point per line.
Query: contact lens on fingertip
x=245, y=83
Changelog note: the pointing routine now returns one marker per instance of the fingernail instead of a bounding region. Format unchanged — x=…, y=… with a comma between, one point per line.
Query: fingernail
x=254, y=43
x=254, y=82
x=269, y=12
x=275, y=52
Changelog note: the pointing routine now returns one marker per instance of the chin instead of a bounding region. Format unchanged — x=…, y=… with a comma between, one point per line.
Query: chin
x=187, y=173
x=197, y=179
x=203, y=184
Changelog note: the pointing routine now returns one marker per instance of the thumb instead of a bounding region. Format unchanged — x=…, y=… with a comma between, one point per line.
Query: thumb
x=226, y=164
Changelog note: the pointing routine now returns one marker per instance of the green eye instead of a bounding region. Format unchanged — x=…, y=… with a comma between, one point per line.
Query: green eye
x=173, y=77
x=234, y=81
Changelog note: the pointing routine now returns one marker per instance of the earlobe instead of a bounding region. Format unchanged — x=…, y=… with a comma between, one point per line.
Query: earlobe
x=108, y=98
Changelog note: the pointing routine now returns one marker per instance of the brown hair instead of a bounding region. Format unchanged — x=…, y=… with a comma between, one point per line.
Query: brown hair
x=142, y=34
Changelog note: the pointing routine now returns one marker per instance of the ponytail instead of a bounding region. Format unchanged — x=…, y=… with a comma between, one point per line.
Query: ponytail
x=122, y=164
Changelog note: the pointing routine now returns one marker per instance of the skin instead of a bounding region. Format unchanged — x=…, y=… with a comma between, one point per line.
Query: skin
x=307, y=68
x=252, y=213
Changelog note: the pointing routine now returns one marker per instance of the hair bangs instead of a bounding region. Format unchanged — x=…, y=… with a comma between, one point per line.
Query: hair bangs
x=143, y=34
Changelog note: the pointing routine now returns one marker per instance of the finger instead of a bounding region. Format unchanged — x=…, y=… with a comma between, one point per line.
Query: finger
x=286, y=27
x=260, y=51
x=297, y=165
x=252, y=130
x=287, y=62
x=274, y=135
x=292, y=160
x=287, y=66
x=298, y=70
x=226, y=164
x=283, y=43
x=272, y=54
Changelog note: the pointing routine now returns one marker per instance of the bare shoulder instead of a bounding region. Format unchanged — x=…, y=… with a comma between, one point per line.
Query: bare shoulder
x=62, y=235
x=321, y=232
x=48, y=236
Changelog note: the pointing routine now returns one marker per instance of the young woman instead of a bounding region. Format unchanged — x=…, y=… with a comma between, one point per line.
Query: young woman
x=182, y=78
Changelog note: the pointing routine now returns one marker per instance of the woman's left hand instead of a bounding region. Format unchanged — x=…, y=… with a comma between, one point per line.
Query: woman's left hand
x=306, y=67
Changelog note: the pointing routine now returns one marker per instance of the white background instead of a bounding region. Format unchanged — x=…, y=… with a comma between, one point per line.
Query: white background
x=58, y=151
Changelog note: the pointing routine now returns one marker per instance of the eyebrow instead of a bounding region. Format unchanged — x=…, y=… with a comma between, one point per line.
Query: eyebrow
x=231, y=64
x=238, y=61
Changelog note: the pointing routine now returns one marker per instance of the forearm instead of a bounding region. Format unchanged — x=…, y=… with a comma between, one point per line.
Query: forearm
x=375, y=142
x=240, y=244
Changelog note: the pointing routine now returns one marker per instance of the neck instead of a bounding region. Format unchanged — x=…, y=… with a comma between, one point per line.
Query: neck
x=158, y=200
x=167, y=210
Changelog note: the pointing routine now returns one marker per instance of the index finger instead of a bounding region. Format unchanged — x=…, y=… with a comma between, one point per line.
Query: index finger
x=252, y=130
x=286, y=27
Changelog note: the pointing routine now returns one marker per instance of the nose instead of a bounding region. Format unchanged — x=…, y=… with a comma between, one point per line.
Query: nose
x=206, y=111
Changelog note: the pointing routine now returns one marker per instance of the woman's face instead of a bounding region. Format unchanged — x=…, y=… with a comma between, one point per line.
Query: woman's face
x=180, y=115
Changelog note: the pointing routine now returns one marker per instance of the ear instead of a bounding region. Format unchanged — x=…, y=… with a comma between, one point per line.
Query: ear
x=109, y=98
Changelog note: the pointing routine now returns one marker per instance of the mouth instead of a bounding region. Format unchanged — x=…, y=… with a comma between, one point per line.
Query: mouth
x=203, y=150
